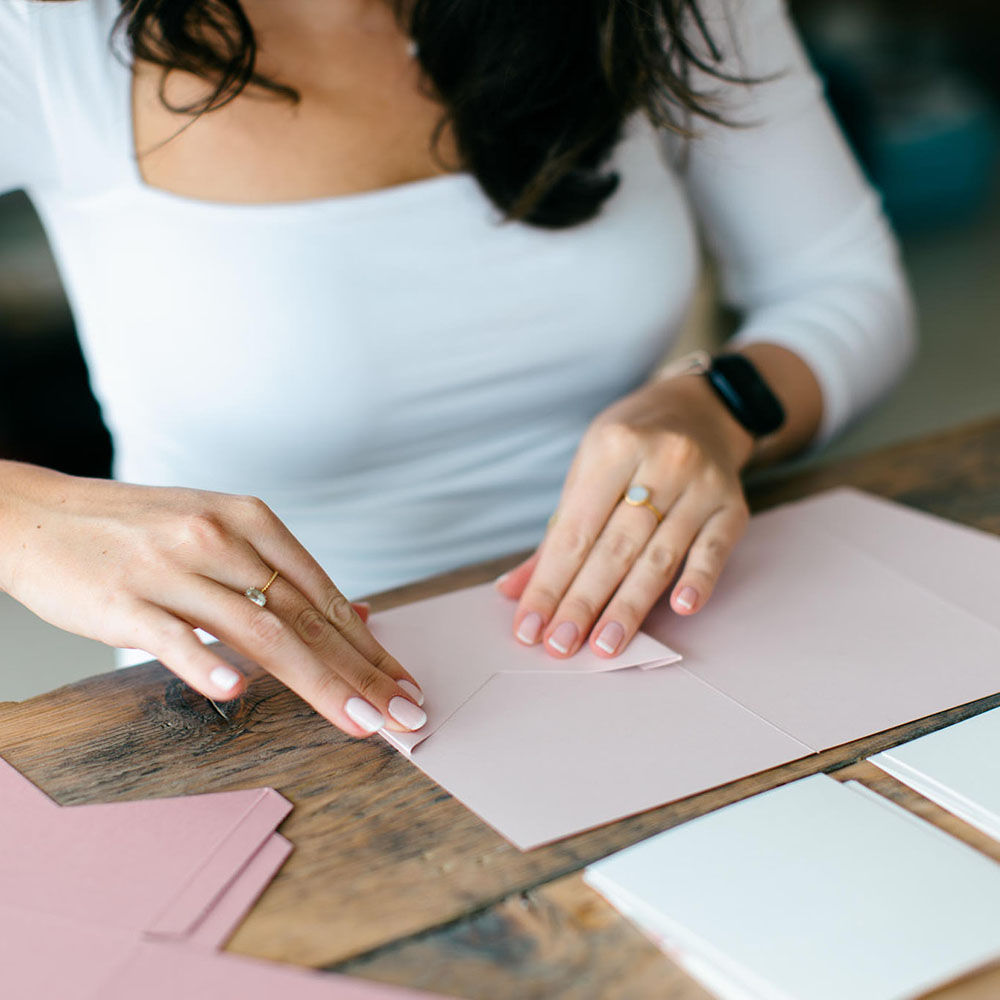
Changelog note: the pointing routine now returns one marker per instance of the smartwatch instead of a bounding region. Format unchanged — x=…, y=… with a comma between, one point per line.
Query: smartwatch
x=747, y=396
x=739, y=385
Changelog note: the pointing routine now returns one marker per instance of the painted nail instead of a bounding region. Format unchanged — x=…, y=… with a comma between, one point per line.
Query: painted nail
x=528, y=630
x=610, y=637
x=412, y=690
x=406, y=713
x=687, y=598
x=366, y=716
x=224, y=678
x=563, y=638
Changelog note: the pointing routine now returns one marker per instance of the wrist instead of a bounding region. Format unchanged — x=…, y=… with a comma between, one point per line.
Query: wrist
x=697, y=397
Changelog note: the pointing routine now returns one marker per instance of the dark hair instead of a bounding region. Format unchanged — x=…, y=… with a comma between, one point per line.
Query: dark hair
x=536, y=92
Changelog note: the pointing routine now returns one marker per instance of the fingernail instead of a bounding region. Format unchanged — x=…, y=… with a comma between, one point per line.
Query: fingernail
x=366, y=716
x=531, y=625
x=413, y=691
x=501, y=579
x=363, y=604
x=224, y=678
x=406, y=713
x=610, y=637
x=563, y=638
x=687, y=598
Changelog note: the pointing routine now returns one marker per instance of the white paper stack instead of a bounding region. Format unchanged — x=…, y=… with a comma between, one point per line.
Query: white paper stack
x=814, y=891
x=957, y=767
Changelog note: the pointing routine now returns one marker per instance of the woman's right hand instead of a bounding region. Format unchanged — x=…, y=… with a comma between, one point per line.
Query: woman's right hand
x=141, y=567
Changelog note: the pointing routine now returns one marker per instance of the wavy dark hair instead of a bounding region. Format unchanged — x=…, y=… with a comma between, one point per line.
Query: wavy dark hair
x=535, y=92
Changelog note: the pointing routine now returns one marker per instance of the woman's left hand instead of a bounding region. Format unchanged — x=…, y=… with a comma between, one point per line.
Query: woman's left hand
x=604, y=563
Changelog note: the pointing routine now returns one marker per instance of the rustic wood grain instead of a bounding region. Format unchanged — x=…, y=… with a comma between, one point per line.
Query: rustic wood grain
x=562, y=941
x=385, y=861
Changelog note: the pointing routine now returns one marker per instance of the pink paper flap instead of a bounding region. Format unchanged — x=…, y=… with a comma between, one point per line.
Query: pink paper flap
x=958, y=563
x=219, y=923
x=826, y=642
x=166, y=972
x=127, y=864
x=215, y=875
x=18, y=794
x=455, y=643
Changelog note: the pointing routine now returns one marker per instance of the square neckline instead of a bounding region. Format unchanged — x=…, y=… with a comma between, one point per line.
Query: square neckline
x=372, y=197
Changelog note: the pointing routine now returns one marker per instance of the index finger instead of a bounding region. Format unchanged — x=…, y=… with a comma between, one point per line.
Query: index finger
x=280, y=549
x=593, y=488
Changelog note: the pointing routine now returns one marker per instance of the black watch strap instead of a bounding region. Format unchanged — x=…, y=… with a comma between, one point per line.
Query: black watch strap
x=747, y=396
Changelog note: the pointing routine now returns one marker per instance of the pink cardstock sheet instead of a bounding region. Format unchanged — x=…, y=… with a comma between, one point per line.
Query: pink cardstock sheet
x=132, y=899
x=159, y=971
x=825, y=628
x=159, y=866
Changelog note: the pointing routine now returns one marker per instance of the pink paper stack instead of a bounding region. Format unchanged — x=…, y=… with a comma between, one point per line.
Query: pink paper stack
x=134, y=899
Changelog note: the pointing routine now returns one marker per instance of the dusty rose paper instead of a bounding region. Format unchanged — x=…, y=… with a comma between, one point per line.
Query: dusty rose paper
x=166, y=972
x=828, y=642
x=826, y=627
x=479, y=645
x=541, y=748
x=158, y=866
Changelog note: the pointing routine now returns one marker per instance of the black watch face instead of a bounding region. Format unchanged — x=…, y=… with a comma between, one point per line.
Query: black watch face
x=747, y=395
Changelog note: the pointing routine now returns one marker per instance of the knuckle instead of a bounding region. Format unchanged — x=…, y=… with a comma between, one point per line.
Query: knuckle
x=338, y=611
x=661, y=559
x=253, y=510
x=573, y=541
x=311, y=625
x=328, y=688
x=680, y=451
x=627, y=612
x=368, y=684
x=579, y=607
x=621, y=547
x=617, y=438
x=713, y=553
x=169, y=638
x=268, y=630
x=202, y=531
x=540, y=597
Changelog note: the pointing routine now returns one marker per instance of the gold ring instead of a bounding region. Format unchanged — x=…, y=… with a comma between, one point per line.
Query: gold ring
x=259, y=594
x=638, y=496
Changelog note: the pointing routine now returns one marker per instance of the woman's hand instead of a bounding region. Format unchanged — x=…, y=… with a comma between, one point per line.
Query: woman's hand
x=603, y=563
x=141, y=567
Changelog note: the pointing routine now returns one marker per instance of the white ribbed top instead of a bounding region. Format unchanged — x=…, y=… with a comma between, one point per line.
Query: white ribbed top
x=400, y=375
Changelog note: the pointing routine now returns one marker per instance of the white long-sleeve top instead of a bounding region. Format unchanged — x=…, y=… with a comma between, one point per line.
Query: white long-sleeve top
x=401, y=376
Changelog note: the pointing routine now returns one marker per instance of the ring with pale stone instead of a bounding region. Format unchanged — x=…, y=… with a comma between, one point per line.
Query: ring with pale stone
x=638, y=496
x=259, y=594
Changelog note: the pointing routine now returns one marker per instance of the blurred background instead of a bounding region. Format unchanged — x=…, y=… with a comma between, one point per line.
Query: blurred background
x=916, y=86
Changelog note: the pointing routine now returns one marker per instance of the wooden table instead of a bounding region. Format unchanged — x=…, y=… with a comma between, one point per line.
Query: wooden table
x=394, y=880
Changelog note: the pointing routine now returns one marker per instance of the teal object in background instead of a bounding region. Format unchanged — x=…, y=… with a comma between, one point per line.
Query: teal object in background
x=937, y=163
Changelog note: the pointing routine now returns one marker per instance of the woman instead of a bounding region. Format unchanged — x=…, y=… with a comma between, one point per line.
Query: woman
x=396, y=272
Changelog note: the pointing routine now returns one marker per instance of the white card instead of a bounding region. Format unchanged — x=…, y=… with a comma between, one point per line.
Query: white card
x=812, y=891
x=957, y=767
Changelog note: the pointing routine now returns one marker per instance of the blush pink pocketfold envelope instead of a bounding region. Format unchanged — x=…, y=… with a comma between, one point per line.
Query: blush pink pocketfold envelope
x=836, y=618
